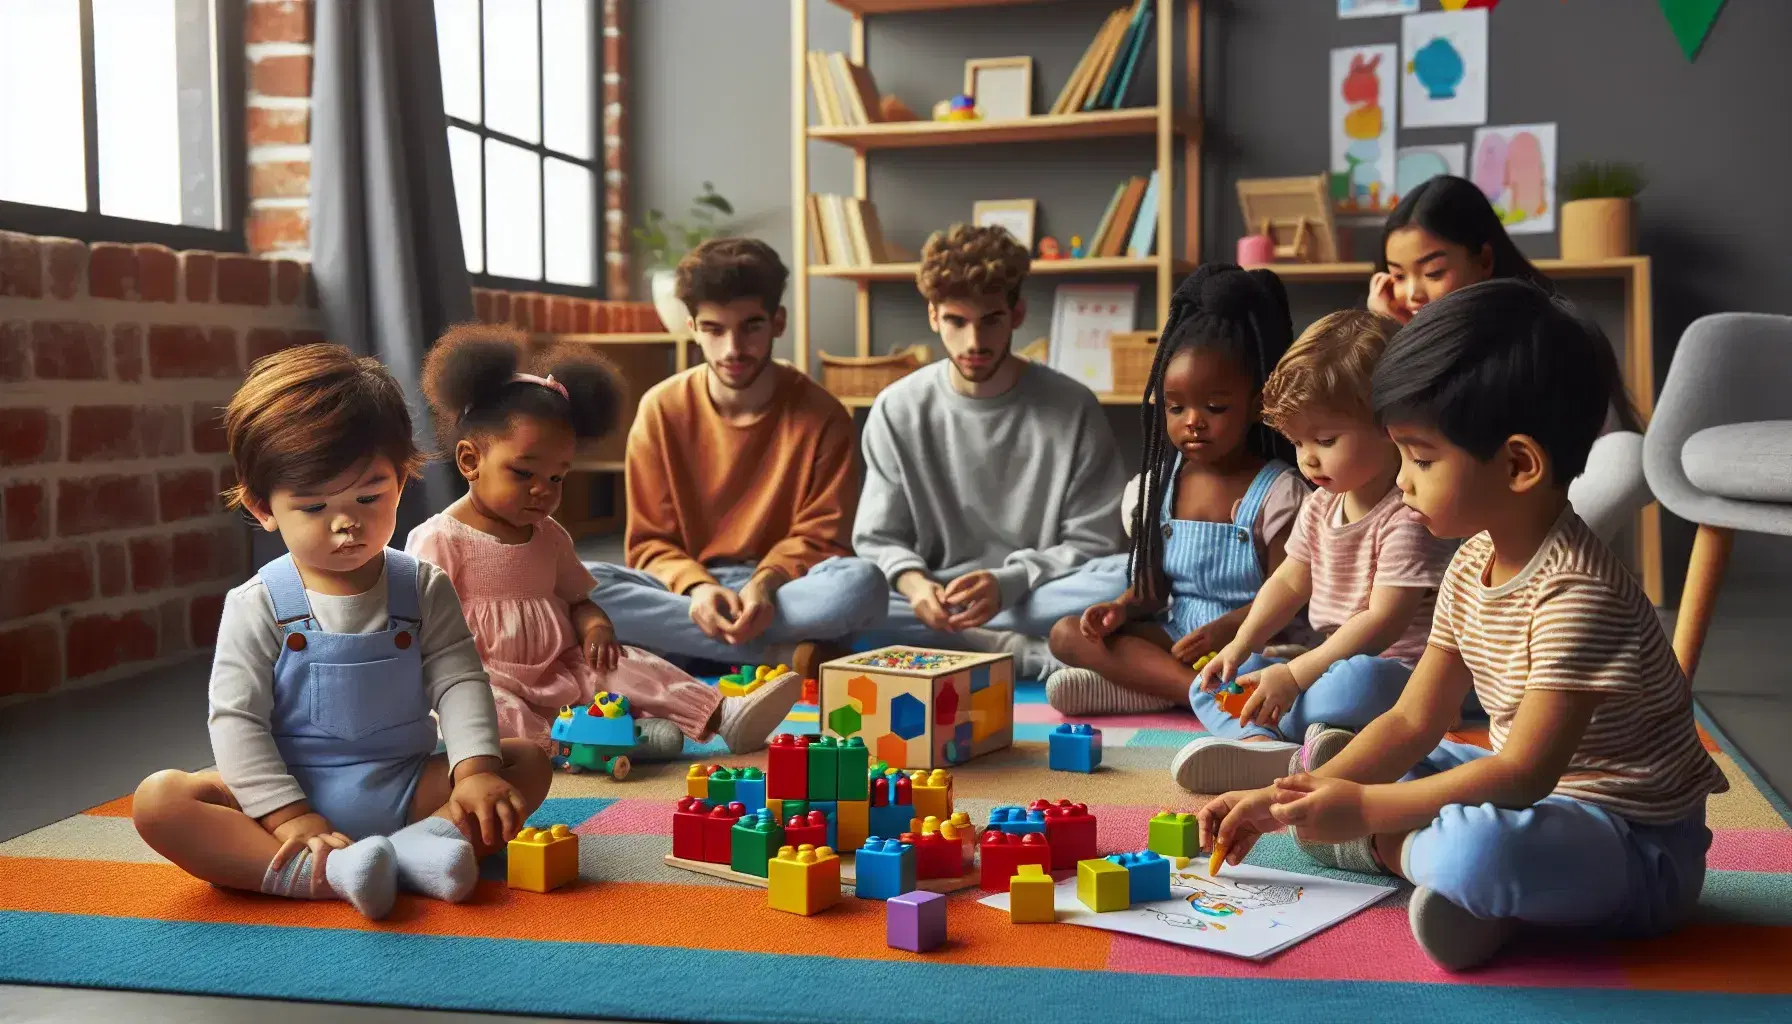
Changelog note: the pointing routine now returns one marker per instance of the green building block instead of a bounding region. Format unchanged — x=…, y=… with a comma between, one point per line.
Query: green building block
x=721, y=786
x=784, y=810
x=854, y=761
x=754, y=840
x=1173, y=834
x=824, y=768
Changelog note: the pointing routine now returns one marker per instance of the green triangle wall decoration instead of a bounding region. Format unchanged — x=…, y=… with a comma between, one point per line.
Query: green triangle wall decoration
x=1691, y=21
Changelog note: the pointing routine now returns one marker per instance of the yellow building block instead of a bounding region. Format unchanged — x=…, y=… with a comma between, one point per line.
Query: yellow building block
x=1031, y=895
x=805, y=880
x=852, y=823
x=1103, y=885
x=543, y=859
x=933, y=793
x=960, y=825
x=696, y=781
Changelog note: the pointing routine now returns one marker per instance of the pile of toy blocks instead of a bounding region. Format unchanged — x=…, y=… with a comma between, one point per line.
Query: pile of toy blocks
x=1054, y=836
x=747, y=678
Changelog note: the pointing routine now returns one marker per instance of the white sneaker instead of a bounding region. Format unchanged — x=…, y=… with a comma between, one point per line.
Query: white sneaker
x=1079, y=691
x=1321, y=743
x=1210, y=764
x=748, y=721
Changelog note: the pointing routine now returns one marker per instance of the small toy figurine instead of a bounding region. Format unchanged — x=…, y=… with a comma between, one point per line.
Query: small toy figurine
x=1049, y=249
x=959, y=108
x=1076, y=247
x=1231, y=698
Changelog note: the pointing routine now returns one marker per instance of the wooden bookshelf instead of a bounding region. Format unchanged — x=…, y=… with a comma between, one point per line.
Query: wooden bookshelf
x=864, y=7
x=1049, y=268
x=613, y=339
x=1098, y=124
x=1619, y=268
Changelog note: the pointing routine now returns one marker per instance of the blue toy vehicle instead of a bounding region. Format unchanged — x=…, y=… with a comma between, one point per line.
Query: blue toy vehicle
x=597, y=738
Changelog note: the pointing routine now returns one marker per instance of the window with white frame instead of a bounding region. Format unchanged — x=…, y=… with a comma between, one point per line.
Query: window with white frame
x=519, y=81
x=120, y=120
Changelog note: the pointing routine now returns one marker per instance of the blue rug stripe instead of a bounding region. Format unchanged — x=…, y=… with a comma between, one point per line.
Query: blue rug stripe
x=569, y=978
x=571, y=811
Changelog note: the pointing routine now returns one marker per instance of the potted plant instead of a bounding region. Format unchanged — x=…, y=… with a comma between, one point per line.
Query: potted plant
x=663, y=242
x=1599, y=210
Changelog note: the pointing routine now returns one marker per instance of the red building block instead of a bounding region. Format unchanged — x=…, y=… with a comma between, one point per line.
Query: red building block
x=1004, y=852
x=787, y=769
x=1070, y=828
x=717, y=842
x=898, y=785
x=807, y=829
x=935, y=855
x=687, y=828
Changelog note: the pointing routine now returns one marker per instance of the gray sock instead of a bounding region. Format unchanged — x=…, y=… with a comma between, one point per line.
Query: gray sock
x=294, y=881
x=365, y=874
x=434, y=859
x=660, y=740
x=1355, y=855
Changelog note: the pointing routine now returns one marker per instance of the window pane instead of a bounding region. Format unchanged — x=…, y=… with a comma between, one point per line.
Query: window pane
x=463, y=158
x=134, y=61
x=513, y=68
x=572, y=223
x=40, y=104
x=457, y=43
x=567, y=88
x=512, y=211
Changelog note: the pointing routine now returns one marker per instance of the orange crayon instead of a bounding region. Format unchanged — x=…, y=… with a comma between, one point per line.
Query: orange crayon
x=1218, y=858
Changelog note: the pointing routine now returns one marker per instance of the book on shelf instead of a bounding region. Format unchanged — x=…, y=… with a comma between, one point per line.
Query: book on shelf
x=1093, y=245
x=1129, y=62
x=1103, y=76
x=1077, y=89
x=846, y=232
x=1144, y=228
x=1121, y=225
x=845, y=92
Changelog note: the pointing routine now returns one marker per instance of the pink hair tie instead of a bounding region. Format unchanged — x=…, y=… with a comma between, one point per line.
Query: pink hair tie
x=546, y=382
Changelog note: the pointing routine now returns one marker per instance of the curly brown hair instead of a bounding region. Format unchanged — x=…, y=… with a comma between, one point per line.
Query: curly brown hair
x=1328, y=368
x=722, y=270
x=966, y=261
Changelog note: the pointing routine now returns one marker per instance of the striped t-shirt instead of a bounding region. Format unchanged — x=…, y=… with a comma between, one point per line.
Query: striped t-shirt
x=1575, y=619
x=1388, y=547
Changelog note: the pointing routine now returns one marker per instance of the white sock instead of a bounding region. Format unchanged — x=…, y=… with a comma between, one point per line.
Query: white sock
x=434, y=859
x=365, y=874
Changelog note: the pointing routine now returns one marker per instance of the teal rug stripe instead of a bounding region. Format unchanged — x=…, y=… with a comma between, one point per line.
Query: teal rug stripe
x=1173, y=738
x=1747, y=897
x=570, y=811
x=519, y=976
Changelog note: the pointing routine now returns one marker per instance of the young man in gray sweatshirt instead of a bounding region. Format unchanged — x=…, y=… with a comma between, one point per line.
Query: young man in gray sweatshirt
x=992, y=484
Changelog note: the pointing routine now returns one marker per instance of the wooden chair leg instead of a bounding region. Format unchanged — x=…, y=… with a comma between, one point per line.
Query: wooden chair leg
x=1704, y=575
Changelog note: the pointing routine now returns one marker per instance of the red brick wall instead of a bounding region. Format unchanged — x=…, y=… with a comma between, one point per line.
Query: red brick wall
x=278, y=37
x=563, y=314
x=115, y=551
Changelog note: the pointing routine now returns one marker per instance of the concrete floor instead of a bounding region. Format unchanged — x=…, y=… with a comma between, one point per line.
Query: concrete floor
x=120, y=732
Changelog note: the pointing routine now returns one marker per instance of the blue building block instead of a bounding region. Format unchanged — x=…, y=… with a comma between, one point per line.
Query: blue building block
x=1017, y=820
x=884, y=868
x=891, y=819
x=749, y=789
x=1075, y=748
x=1148, y=875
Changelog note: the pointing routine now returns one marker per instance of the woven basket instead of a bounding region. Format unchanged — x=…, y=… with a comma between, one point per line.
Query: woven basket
x=1131, y=353
x=865, y=376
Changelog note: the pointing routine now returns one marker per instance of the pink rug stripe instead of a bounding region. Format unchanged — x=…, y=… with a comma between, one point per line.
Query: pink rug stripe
x=631, y=818
x=1749, y=849
x=1045, y=714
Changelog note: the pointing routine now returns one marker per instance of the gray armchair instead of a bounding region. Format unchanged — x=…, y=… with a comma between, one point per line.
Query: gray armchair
x=1719, y=450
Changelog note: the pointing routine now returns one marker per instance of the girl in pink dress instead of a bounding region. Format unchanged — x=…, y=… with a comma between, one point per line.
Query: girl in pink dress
x=526, y=595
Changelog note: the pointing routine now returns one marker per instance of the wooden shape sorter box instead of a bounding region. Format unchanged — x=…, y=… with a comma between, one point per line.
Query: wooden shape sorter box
x=920, y=708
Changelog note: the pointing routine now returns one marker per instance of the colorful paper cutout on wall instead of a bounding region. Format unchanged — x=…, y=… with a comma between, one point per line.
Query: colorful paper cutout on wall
x=1375, y=8
x=1443, y=69
x=1469, y=5
x=1691, y=21
x=1418, y=164
x=1515, y=166
x=1362, y=128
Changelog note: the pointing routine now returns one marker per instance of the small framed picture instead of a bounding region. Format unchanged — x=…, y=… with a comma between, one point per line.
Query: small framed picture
x=1017, y=215
x=1002, y=86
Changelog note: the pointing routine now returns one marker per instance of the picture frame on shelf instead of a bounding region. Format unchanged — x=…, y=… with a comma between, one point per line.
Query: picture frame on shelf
x=1001, y=86
x=1295, y=213
x=1083, y=318
x=1018, y=216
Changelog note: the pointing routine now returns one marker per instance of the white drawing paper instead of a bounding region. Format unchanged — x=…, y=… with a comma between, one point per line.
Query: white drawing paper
x=1082, y=318
x=1248, y=911
x=1443, y=69
x=1375, y=8
x=1362, y=128
x=1515, y=165
x=1419, y=164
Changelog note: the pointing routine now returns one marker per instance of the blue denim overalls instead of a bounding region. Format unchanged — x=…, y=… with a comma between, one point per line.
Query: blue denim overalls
x=351, y=716
x=1212, y=567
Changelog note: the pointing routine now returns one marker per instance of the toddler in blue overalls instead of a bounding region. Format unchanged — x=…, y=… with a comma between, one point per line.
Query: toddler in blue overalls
x=328, y=664
x=1216, y=500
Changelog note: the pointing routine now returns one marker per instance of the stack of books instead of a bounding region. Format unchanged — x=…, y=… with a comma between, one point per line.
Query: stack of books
x=1129, y=225
x=845, y=232
x=845, y=93
x=1103, y=76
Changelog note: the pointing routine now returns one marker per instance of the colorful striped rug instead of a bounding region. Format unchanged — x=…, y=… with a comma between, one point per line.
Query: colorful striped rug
x=84, y=903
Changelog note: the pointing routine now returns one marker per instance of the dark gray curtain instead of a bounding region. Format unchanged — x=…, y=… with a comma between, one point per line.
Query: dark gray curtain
x=385, y=235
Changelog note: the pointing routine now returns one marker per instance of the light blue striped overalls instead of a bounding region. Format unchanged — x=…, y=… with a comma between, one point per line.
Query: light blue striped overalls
x=1212, y=567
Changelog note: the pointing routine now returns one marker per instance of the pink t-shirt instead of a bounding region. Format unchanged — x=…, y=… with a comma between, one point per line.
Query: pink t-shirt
x=1389, y=547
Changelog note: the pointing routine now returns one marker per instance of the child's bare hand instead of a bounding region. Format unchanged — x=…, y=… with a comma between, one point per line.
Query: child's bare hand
x=486, y=799
x=1383, y=300
x=1322, y=810
x=1275, y=694
x=602, y=651
x=1225, y=664
x=1236, y=820
x=1099, y=621
x=1202, y=639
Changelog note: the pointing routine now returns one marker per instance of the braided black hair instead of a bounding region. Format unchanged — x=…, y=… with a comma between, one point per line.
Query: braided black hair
x=1241, y=313
x=470, y=380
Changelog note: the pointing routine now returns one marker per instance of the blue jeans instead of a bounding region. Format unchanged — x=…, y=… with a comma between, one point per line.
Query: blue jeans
x=1349, y=695
x=836, y=597
x=1097, y=580
x=1560, y=862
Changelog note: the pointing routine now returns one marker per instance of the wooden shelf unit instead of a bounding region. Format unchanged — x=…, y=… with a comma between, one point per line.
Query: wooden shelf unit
x=1173, y=117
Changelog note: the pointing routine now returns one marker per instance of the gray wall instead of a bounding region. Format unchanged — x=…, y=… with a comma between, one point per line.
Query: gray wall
x=711, y=101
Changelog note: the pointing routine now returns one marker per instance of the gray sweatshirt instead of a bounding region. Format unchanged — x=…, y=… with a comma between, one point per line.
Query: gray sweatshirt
x=1026, y=484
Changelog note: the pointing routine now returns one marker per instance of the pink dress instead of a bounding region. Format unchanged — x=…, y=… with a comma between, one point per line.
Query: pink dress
x=518, y=600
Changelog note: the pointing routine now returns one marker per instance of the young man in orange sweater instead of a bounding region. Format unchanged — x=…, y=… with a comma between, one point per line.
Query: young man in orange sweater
x=742, y=486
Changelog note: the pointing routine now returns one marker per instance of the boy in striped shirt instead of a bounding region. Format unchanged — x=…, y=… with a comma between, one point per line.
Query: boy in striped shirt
x=1589, y=811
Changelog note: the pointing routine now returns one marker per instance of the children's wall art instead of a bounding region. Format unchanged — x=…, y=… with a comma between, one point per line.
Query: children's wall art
x=1444, y=69
x=1515, y=165
x=1362, y=126
x=1457, y=5
x=1375, y=8
x=1083, y=316
x=1418, y=164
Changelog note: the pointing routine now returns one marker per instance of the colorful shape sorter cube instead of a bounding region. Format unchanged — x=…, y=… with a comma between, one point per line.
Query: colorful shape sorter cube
x=932, y=793
x=757, y=836
x=787, y=767
x=718, y=839
x=1074, y=748
x=852, y=823
x=1031, y=896
x=1003, y=854
x=810, y=829
x=803, y=880
x=1016, y=820
x=1071, y=830
x=824, y=768
x=749, y=788
x=688, y=817
x=1148, y=875
x=915, y=921
x=1102, y=885
x=921, y=708
x=884, y=868
x=1174, y=834
x=543, y=859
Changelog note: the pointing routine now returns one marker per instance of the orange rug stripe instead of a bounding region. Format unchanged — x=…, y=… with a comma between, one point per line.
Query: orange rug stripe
x=1740, y=958
x=119, y=808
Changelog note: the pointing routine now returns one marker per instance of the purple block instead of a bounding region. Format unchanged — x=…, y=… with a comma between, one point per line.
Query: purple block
x=915, y=921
